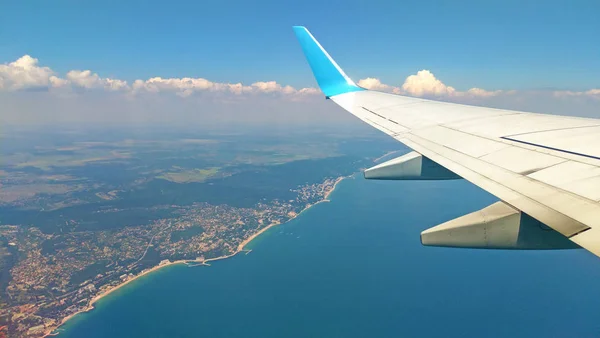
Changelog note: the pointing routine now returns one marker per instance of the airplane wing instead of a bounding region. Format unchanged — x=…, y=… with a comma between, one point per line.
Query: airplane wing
x=545, y=169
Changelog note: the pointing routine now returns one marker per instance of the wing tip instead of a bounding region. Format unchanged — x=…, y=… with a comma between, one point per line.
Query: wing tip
x=331, y=78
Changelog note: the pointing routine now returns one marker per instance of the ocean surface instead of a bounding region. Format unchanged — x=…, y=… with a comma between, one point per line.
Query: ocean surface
x=354, y=267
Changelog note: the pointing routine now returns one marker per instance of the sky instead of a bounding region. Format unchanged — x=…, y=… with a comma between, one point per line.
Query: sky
x=194, y=61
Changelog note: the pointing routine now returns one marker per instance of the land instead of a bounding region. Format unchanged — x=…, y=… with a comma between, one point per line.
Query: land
x=327, y=188
x=87, y=213
x=187, y=176
x=55, y=286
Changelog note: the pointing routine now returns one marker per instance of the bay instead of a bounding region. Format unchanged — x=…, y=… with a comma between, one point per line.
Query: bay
x=354, y=267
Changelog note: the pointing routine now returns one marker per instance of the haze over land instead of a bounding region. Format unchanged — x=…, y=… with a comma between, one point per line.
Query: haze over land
x=84, y=211
x=35, y=94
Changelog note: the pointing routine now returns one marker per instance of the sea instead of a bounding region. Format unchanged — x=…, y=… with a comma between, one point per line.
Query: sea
x=355, y=267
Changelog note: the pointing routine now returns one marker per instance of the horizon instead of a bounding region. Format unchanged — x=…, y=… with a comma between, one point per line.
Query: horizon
x=71, y=67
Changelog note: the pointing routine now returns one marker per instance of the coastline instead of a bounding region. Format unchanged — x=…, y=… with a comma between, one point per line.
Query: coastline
x=325, y=199
x=337, y=181
x=240, y=248
x=115, y=288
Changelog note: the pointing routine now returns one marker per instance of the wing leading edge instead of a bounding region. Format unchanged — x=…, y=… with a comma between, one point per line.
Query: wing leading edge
x=545, y=169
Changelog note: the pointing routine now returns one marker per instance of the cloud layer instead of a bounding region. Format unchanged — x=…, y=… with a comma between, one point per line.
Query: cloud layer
x=34, y=93
x=425, y=84
x=26, y=74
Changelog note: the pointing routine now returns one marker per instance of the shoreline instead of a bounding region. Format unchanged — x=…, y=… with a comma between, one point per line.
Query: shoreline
x=240, y=248
x=308, y=206
x=337, y=181
x=115, y=288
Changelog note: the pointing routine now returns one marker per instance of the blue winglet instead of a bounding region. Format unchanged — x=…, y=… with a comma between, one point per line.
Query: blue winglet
x=330, y=77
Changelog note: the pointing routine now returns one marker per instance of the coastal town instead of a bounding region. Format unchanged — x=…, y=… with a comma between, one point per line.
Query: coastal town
x=60, y=275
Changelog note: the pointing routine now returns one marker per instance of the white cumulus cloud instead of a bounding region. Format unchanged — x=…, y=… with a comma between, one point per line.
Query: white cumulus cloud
x=188, y=86
x=425, y=84
x=374, y=84
x=87, y=79
x=24, y=73
x=482, y=92
x=272, y=87
x=592, y=93
x=57, y=82
x=308, y=91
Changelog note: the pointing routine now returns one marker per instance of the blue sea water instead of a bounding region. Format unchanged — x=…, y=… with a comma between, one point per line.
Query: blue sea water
x=354, y=267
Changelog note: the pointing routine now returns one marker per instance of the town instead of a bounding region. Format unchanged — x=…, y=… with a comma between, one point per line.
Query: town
x=59, y=275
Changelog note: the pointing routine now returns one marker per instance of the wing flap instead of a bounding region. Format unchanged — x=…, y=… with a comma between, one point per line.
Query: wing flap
x=590, y=240
x=582, y=140
x=521, y=160
x=513, y=123
x=468, y=144
x=565, y=213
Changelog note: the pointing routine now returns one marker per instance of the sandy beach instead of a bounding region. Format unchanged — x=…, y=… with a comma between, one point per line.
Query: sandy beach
x=338, y=180
x=325, y=199
x=109, y=291
x=239, y=249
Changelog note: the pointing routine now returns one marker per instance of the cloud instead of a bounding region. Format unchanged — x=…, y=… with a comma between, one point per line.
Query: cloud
x=478, y=92
x=87, y=79
x=182, y=86
x=592, y=93
x=425, y=84
x=84, y=96
x=270, y=87
x=373, y=84
x=25, y=73
x=57, y=82
x=185, y=87
x=309, y=91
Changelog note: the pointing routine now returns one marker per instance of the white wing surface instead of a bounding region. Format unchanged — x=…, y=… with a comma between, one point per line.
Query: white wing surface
x=544, y=168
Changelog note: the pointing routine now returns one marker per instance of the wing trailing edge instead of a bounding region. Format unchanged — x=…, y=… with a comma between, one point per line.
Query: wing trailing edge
x=498, y=226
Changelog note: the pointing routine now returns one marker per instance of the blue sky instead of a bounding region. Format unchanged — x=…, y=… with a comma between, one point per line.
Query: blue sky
x=496, y=45
x=222, y=62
